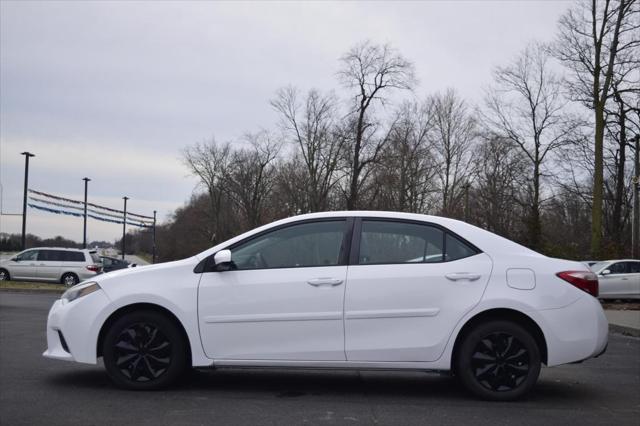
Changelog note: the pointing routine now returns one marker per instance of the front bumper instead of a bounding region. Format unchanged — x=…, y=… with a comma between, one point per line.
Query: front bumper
x=73, y=327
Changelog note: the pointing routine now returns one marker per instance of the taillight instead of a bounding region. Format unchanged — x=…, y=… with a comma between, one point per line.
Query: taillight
x=584, y=280
x=93, y=268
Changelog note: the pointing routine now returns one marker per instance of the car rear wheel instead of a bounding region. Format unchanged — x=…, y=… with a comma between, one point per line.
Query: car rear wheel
x=498, y=360
x=144, y=351
x=69, y=279
x=4, y=275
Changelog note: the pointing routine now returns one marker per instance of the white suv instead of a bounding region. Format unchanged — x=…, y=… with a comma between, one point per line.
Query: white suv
x=67, y=266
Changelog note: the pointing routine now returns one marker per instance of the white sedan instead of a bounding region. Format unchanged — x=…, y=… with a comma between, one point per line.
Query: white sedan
x=358, y=290
x=619, y=279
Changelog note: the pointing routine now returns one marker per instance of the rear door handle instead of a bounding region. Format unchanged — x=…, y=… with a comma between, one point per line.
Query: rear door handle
x=328, y=282
x=462, y=276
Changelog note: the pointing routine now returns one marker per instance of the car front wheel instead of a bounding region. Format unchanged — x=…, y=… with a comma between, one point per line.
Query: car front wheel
x=498, y=360
x=144, y=351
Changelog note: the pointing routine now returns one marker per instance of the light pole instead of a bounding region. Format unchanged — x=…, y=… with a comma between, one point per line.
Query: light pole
x=84, y=229
x=153, y=256
x=635, y=228
x=124, y=226
x=24, y=200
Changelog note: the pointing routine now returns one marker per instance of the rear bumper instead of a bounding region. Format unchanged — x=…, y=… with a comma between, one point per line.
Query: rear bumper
x=575, y=332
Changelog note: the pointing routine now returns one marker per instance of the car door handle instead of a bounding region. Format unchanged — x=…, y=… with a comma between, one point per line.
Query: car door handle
x=321, y=282
x=462, y=276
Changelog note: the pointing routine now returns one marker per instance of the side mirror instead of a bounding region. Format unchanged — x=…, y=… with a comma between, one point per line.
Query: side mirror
x=605, y=272
x=222, y=259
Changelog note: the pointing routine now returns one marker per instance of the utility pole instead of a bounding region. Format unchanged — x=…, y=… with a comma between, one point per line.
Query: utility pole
x=84, y=232
x=24, y=200
x=124, y=226
x=635, y=228
x=466, y=202
x=153, y=256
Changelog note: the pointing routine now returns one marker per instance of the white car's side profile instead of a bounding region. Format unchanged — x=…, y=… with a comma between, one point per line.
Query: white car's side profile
x=618, y=279
x=359, y=290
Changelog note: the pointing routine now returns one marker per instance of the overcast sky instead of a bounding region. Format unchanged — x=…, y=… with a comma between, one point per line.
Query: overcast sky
x=115, y=90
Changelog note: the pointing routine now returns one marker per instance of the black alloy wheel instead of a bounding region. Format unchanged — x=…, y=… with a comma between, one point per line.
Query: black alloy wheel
x=498, y=360
x=144, y=351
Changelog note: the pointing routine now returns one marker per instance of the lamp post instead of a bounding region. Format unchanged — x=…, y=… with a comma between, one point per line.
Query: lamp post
x=124, y=226
x=635, y=228
x=84, y=229
x=27, y=155
x=153, y=256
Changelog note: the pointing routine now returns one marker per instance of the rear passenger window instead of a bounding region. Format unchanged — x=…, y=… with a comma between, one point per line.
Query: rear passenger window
x=389, y=242
x=399, y=242
x=48, y=255
x=634, y=267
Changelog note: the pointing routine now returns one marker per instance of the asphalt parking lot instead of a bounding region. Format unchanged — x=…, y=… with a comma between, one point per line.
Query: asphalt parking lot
x=34, y=390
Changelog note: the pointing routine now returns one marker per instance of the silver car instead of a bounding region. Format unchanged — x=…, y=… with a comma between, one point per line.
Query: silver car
x=618, y=279
x=66, y=266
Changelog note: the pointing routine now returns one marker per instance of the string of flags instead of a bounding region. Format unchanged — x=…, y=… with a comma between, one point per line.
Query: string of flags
x=60, y=205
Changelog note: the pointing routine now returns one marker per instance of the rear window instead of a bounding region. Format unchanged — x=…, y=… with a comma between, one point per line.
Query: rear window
x=94, y=257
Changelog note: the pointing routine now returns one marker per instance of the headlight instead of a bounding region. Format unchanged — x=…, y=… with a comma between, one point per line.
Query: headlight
x=79, y=290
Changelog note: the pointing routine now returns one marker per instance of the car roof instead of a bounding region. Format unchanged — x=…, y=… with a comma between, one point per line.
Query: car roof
x=57, y=248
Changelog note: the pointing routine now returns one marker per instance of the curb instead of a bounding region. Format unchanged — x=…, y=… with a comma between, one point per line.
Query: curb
x=624, y=330
x=31, y=290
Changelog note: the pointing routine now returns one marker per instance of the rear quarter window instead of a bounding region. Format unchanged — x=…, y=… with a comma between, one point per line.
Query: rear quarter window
x=74, y=256
x=457, y=249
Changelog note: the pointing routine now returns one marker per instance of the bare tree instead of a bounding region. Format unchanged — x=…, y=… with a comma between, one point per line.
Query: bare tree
x=252, y=176
x=372, y=71
x=210, y=162
x=404, y=178
x=595, y=42
x=452, y=134
x=310, y=124
x=500, y=173
x=525, y=106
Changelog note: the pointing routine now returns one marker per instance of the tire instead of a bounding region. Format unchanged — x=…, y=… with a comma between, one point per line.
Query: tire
x=4, y=275
x=69, y=279
x=498, y=361
x=150, y=349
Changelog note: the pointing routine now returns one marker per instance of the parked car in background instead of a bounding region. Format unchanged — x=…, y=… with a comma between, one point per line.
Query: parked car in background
x=619, y=279
x=53, y=264
x=589, y=263
x=112, y=264
x=357, y=290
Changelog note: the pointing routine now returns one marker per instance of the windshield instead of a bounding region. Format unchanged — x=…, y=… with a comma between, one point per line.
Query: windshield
x=598, y=266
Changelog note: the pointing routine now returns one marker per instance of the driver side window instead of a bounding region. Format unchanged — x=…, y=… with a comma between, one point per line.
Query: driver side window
x=617, y=268
x=302, y=245
x=28, y=255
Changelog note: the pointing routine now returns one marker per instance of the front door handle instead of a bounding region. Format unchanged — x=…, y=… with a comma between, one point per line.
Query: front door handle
x=462, y=276
x=329, y=282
